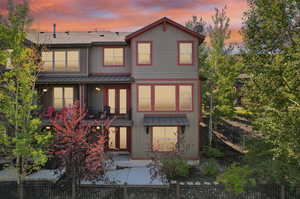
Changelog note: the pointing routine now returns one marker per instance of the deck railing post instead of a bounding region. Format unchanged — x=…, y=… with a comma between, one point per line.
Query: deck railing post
x=125, y=194
x=177, y=190
x=282, y=191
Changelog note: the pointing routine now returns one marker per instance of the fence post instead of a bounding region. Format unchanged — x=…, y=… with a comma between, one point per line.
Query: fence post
x=177, y=190
x=125, y=195
x=282, y=191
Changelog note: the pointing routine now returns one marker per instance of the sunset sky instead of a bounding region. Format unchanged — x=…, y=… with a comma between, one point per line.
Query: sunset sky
x=126, y=15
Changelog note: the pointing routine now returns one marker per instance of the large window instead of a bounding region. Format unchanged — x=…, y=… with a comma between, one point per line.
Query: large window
x=164, y=138
x=61, y=60
x=165, y=98
x=185, y=53
x=117, y=138
x=144, y=98
x=62, y=97
x=113, y=56
x=159, y=98
x=144, y=54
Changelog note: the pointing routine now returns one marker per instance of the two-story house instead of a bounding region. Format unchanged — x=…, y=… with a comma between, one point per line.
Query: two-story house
x=149, y=78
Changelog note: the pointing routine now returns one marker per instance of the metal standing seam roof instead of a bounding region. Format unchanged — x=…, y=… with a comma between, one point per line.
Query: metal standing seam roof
x=85, y=79
x=165, y=120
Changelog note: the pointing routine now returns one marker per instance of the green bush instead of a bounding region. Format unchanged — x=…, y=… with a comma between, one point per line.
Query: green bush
x=175, y=168
x=210, y=168
x=236, y=178
x=212, y=152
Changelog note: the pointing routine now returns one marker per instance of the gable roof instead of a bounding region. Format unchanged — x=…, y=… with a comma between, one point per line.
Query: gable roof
x=161, y=21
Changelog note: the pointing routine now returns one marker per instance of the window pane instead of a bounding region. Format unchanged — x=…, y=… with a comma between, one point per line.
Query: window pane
x=123, y=101
x=144, y=93
x=60, y=60
x=68, y=96
x=144, y=53
x=164, y=138
x=112, y=100
x=185, y=98
x=73, y=60
x=47, y=58
x=112, y=138
x=165, y=98
x=113, y=56
x=185, y=53
x=58, y=97
x=123, y=138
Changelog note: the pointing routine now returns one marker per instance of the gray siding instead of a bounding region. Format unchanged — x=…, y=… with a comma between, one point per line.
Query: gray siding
x=164, y=55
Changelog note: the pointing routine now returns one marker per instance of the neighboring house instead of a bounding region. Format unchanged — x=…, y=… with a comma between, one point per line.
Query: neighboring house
x=148, y=78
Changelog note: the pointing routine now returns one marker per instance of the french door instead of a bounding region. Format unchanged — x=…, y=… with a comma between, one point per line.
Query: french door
x=119, y=138
x=118, y=99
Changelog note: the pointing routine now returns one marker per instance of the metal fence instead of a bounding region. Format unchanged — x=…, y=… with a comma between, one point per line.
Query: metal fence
x=46, y=190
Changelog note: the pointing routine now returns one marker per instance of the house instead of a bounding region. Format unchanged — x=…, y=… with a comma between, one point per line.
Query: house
x=149, y=78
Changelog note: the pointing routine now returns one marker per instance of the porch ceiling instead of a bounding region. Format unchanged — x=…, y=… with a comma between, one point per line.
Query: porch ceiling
x=85, y=79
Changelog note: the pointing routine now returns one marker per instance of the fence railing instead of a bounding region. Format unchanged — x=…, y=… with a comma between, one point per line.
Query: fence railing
x=47, y=190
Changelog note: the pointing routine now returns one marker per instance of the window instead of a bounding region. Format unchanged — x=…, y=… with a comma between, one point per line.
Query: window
x=144, y=98
x=113, y=56
x=61, y=60
x=185, y=53
x=165, y=98
x=164, y=138
x=185, y=98
x=62, y=97
x=112, y=100
x=123, y=138
x=144, y=54
x=47, y=58
x=123, y=101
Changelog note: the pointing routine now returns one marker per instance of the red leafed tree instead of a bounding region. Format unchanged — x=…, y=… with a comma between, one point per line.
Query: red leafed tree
x=79, y=148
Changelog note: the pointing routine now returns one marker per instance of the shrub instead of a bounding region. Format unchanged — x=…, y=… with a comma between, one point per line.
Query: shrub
x=212, y=152
x=170, y=166
x=236, y=178
x=210, y=168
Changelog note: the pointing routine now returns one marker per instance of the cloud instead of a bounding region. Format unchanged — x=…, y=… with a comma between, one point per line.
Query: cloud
x=123, y=14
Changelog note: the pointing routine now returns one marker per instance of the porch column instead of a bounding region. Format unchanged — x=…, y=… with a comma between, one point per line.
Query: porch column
x=82, y=95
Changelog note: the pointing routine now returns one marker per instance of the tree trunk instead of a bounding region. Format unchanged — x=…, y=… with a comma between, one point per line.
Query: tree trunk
x=210, y=130
x=20, y=178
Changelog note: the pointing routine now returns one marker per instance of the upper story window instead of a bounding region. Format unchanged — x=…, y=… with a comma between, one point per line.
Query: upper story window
x=185, y=53
x=144, y=53
x=162, y=98
x=113, y=56
x=61, y=60
x=62, y=97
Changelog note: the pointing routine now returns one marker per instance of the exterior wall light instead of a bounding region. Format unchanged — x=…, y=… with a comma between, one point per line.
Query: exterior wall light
x=98, y=89
x=45, y=90
x=48, y=127
x=98, y=127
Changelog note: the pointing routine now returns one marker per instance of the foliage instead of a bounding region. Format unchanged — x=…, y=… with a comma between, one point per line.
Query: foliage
x=79, y=149
x=210, y=168
x=272, y=47
x=212, y=152
x=23, y=141
x=236, y=178
x=169, y=166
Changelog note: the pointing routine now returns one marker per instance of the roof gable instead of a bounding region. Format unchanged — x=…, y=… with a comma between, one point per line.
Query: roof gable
x=161, y=21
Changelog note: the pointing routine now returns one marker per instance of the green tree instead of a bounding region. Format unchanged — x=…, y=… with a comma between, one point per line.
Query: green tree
x=23, y=141
x=272, y=47
x=221, y=70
